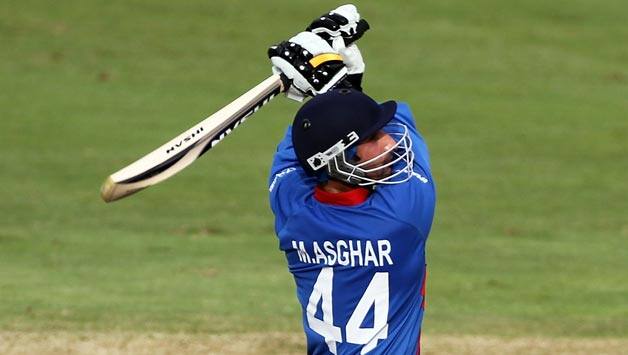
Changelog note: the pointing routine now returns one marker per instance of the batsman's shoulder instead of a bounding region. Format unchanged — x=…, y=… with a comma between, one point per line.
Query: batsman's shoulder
x=404, y=114
x=411, y=201
x=295, y=172
x=289, y=190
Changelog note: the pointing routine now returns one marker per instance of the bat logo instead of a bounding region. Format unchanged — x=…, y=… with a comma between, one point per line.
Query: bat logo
x=235, y=125
x=185, y=140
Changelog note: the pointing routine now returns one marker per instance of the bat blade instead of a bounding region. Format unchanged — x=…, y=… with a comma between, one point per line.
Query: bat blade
x=184, y=149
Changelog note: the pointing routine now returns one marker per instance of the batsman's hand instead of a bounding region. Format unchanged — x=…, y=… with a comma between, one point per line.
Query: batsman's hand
x=343, y=23
x=341, y=28
x=307, y=64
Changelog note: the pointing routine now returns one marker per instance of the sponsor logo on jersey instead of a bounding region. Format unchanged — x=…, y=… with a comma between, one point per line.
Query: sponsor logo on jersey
x=279, y=175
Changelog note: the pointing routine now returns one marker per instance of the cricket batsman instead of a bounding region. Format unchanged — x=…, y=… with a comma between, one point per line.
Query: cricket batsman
x=353, y=197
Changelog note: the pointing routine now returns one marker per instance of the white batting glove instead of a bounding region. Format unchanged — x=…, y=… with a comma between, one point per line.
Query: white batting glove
x=351, y=55
x=308, y=64
x=341, y=27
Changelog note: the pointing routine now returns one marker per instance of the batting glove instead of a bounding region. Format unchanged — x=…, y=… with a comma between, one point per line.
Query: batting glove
x=341, y=27
x=308, y=65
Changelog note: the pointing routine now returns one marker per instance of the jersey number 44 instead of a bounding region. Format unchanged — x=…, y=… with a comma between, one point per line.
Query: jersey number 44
x=375, y=296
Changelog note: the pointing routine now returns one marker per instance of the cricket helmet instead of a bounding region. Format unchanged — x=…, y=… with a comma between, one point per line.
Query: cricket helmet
x=328, y=128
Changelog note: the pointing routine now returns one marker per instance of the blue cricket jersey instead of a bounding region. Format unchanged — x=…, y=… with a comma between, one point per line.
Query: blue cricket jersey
x=360, y=269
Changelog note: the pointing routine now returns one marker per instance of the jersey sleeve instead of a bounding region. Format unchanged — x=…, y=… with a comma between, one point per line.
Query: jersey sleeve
x=413, y=200
x=288, y=184
x=284, y=157
x=419, y=147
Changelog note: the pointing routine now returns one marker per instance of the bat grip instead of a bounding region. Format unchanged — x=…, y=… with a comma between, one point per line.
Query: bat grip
x=285, y=82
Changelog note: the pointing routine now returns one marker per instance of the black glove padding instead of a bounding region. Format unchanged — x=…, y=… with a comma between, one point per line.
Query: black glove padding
x=308, y=63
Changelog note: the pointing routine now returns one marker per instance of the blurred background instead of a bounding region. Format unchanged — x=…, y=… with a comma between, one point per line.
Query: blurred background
x=524, y=105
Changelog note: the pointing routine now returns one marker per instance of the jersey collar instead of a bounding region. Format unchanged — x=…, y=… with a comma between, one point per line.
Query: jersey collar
x=352, y=197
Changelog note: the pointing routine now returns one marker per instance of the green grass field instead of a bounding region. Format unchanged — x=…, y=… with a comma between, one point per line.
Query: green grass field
x=524, y=105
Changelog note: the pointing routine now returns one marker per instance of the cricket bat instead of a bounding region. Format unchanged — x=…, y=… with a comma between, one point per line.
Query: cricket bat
x=184, y=149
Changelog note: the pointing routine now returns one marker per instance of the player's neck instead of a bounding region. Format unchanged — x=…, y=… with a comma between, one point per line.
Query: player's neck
x=334, y=187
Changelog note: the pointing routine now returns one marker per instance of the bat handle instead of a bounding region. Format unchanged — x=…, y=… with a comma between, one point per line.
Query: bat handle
x=285, y=82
